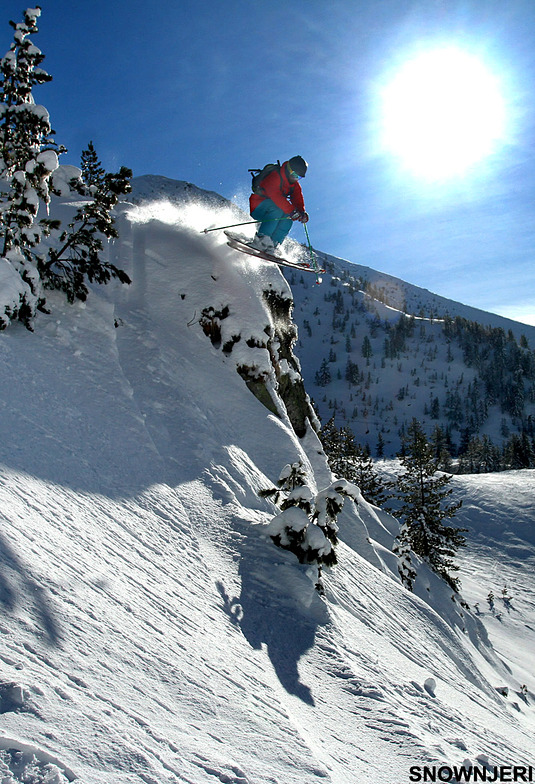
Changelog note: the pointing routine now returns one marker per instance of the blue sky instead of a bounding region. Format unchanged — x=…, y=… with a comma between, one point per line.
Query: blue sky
x=204, y=91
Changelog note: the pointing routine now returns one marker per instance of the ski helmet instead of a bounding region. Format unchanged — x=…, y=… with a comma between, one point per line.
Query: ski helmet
x=298, y=165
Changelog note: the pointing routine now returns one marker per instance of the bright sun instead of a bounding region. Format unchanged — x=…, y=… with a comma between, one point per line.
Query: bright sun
x=442, y=112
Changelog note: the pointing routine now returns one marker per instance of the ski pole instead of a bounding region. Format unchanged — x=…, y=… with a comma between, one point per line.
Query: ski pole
x=233, y=225
x=312, y=255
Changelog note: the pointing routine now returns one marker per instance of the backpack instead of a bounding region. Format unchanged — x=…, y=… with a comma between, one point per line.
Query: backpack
x=259, y=175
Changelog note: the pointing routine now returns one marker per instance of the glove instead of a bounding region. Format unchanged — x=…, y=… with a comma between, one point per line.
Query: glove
x=303, y=217
x=295, y=215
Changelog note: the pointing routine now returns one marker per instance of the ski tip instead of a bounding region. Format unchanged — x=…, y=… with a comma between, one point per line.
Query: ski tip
x=319, y=281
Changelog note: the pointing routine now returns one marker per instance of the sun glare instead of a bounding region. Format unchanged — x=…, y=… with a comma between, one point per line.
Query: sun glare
x=443, y=111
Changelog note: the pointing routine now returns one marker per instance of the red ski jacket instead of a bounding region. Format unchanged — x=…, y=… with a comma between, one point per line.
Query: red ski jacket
x=285, y=194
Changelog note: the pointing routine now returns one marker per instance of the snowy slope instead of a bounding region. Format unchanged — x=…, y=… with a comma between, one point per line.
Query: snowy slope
x=426, y=372
x=498, y=511
x=149, y=630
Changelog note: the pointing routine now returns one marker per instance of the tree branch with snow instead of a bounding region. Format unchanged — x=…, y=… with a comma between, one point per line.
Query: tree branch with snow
x=307, y=525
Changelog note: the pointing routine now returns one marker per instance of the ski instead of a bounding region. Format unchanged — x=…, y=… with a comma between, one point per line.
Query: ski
x=240, y=243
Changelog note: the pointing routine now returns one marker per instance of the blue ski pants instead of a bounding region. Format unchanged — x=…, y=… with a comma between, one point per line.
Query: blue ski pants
x=272, y=225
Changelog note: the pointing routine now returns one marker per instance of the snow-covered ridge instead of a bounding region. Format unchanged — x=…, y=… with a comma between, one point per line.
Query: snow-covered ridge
x=402, y=296
x=414, y=301
x=150, y=629
x=153, y=187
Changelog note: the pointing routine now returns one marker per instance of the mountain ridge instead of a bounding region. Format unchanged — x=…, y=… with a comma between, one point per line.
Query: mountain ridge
x=160, y=187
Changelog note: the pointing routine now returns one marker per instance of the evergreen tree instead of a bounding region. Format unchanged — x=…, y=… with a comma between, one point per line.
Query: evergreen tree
x=28, y=156
x=349, y=460
x=423, y=509
x=439, y=442
x=352, y=373
x=28, y=160
x=78, y=256
x=92, y=172
x=402, y=549
x=518, y=452
x=306, y=524
x=330, y=438
x=340, y=460
x=323, y=376
x=292, y=475
x=367, y=349
x=380, y=448
x=339, y=446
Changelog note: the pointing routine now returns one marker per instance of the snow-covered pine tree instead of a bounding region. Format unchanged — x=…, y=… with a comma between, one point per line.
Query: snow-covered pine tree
x=28, y=156
x=290, y=528
x=327, y=506
x=307, y=524
x=28, y=160
x=422, y=492
x=78, y=254
x=292, y=475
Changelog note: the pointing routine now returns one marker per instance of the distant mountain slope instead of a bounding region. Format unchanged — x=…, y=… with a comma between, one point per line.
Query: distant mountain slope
x=377, y=352
x=414, y=300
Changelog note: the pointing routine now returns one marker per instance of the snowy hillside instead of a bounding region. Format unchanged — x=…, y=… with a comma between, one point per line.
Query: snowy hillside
x=407, y=298
x=150, y=631
x=376, y=352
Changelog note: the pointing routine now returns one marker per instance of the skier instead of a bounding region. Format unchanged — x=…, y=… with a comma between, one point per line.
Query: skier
x=280, y=197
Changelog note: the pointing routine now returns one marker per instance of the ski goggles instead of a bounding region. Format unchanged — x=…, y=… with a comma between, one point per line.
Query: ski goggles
x=293, y=175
